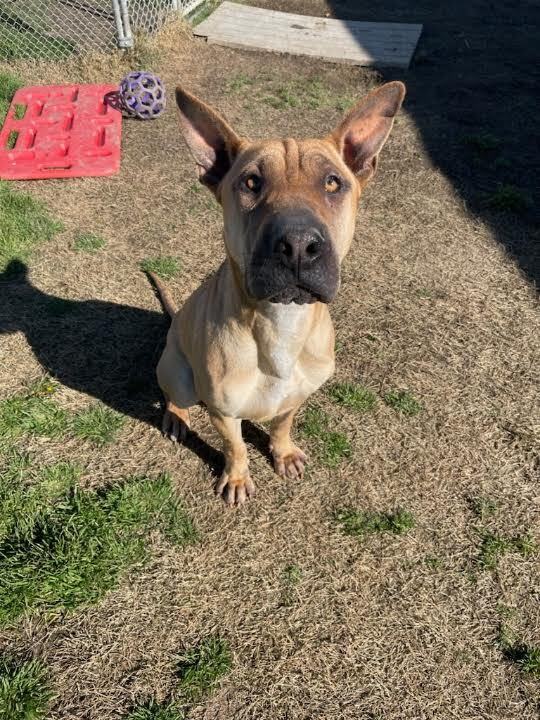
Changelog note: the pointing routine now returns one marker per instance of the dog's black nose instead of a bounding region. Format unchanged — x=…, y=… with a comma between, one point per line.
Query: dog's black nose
x=299, y=247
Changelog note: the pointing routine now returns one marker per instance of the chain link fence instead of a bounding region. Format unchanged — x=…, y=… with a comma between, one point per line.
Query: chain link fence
x=56, y=29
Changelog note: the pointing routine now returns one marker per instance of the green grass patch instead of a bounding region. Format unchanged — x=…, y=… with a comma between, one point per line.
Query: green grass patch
x=9, y=84
x=331, y=446
x=88, y=242
x=77, y=548
x=494, y=546
x=508, y=198
x=24, y=690
x=359, y=523
x=403, y=402
x=166, y=267
x=24, y=222
x=25, y=490
x=97, y=424
x=33, y=412
x=526, y=657
x=156, y=711
x=200, y=667
x=352, y=395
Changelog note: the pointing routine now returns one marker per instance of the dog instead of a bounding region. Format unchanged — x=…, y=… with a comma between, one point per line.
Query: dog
x=256, y=339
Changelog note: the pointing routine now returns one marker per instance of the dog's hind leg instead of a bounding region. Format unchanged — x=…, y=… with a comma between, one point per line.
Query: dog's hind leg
x=288, y=459
x=235, y=485
x=175, y=379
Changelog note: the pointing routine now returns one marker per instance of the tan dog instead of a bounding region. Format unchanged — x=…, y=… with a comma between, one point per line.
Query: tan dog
x=256, y=339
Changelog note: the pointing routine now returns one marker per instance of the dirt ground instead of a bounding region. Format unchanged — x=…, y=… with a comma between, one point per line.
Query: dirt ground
x=437, y=298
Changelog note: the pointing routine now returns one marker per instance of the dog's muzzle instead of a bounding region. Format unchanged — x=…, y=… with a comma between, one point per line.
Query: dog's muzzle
x=293, y=261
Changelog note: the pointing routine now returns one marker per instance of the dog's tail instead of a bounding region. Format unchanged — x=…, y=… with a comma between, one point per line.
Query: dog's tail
x=164, y=295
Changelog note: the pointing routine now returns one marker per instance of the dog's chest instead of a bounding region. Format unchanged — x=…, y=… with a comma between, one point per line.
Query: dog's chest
x=283, y=378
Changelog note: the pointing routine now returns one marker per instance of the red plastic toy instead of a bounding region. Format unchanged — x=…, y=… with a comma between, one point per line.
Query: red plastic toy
x=61, y=131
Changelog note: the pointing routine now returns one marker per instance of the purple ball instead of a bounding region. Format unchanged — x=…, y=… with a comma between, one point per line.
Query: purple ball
x=142, y=94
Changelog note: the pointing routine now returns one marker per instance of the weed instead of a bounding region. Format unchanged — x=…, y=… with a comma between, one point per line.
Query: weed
x=483, y=507
x=88, y=242
x=403, y=402
x=24, y=223
x=353, y=396
x=332, y=446
x=166, y=267
x=495, y=546
x=360, y=522
x=77, y=548
x=292, y=575
x=98, y=424
x=24, y=690
x=200, y=668
x=156, y=711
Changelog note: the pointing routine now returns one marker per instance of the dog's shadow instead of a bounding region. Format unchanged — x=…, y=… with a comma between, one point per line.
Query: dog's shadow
x=106, y=350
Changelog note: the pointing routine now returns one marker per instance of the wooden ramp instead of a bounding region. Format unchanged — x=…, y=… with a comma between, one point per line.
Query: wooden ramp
x=343, y=41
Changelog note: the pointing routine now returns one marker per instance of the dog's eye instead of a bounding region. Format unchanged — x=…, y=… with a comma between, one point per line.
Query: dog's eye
x=253, y=183
x=332, y=184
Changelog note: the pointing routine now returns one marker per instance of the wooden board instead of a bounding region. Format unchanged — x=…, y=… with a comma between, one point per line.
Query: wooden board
x=344, y=41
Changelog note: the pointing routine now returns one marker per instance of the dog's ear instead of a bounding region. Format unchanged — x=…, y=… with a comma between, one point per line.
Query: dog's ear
x=364, y=130
x=211, y=141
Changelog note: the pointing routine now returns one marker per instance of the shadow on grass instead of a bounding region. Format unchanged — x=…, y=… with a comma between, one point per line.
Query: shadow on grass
x=106, y=350
x=471, y=92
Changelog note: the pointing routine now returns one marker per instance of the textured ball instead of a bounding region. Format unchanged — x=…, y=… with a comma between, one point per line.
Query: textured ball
x=142, y=94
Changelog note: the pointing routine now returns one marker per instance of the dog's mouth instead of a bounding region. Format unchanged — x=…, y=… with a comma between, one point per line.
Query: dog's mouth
x=297, y=295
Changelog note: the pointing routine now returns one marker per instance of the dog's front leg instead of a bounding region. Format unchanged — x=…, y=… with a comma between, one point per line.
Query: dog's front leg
x=235, y=485
x=288, y=459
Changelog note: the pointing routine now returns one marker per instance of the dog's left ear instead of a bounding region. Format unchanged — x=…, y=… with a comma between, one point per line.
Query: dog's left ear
x=366, y=127
x=212, y=142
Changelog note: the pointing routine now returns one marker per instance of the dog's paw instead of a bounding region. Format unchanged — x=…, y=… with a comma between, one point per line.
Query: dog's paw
x=289, y=464
x=175, y=423
x=235, y=489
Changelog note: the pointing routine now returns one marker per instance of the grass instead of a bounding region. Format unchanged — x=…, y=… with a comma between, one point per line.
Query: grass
x=483, y=507
x=97, y=424
x=19, y=42
x=483, y=142
x=24, y=222
x=312, y=93
x=9, y=84
x=495, y=546
x=70, y=552
x=352, y=395
x=200, y=667
x=156, y=711
x=403, y=402
x=88, y=242
x=359, y=523
x=166, y=267
x=507, y=198
x=24, y=690
x=292, y=576
x=526, y=657
x=33, y=412
x=331, y=446
x=25, y=490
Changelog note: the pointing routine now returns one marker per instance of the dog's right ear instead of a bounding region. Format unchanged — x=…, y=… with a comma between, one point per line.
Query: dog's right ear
x=212, y=142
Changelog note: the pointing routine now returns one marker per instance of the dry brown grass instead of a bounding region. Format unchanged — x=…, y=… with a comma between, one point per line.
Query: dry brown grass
x=394, y=627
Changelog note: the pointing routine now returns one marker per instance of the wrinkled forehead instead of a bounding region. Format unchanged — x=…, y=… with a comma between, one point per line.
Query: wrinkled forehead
x=289, y=159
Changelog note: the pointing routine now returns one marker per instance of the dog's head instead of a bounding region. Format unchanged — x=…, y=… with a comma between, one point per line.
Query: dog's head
x=289, y=205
